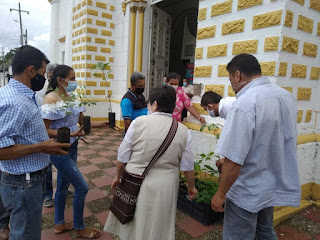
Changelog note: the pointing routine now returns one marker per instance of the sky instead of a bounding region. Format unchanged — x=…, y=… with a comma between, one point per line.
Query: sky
x=37, y=24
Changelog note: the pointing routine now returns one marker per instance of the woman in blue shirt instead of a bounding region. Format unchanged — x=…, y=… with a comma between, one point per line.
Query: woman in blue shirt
x=56, y=114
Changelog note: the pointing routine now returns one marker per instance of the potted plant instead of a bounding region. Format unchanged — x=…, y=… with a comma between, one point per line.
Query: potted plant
x=206, y=182
x=103, y=71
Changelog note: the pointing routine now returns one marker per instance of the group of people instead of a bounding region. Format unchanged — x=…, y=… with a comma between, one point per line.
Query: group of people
x=258, y=144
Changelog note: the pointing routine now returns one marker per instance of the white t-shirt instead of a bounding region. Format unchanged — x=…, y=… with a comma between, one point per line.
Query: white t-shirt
x=225, y=105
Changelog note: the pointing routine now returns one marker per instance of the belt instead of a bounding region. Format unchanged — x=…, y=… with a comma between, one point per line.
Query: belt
x=37, y=173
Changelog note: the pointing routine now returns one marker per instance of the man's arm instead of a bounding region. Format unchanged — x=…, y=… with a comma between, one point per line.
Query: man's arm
x=19, y=150
x=229, y=175
x=127, y=123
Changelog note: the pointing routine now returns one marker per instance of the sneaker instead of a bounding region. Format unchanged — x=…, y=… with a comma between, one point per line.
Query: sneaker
x=70, y=193
x=48, y=202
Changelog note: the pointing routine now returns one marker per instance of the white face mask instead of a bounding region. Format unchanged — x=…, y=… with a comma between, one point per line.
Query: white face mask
x=239, y=85
x=174, y=86
x=211, y=112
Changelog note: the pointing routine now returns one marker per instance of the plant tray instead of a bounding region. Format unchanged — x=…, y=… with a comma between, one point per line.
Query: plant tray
x=202, y=212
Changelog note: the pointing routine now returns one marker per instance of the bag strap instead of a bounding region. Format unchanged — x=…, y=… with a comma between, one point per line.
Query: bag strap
x=164, y=146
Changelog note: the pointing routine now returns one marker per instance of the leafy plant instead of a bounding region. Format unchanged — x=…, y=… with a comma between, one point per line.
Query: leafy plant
x=103, y=71
x=212, y=127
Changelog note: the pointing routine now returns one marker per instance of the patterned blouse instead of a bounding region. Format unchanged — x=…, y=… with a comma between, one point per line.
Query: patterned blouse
x=183, y=101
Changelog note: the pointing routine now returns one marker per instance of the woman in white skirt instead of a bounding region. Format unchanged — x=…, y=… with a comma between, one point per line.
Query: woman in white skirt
x=157, y=201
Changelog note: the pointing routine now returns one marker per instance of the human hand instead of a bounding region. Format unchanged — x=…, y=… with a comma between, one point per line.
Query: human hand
x=219, y=164
x=115, y=182
x=78, y=133
x=202, y=120
x=192, y=193
x=53, y=147
x=217, y=202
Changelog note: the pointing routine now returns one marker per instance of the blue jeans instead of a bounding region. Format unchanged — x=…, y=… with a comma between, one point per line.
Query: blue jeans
x=23, y=200
x=49, y=189
x=68, y=172
x=241, y=224
x=4, y=214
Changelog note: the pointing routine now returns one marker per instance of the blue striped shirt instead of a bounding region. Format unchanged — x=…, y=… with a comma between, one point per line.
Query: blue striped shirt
x=260, y=134
x=21, y=123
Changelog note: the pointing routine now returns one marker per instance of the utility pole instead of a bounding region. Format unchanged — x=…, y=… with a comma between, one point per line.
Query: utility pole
x=19, y=10
x=26, y=38
x=4, y=75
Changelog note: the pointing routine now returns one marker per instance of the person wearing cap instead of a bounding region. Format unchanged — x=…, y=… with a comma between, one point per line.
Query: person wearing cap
x=215, y=105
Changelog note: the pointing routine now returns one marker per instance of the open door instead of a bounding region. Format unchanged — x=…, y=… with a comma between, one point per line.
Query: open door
x=159, y=47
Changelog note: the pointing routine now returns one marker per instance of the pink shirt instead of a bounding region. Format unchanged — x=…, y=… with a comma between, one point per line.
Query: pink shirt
x=183, y=101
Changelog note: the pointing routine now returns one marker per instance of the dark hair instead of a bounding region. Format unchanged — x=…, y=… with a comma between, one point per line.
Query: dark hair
x=173, y=75
x=210, y=97
x=61, y=71
x=165, y=97
x=246, y=64
x=136, y=76
x=28, y=56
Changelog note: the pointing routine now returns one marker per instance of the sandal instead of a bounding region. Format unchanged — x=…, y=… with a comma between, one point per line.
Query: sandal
x=61, y=228
x=89, y=233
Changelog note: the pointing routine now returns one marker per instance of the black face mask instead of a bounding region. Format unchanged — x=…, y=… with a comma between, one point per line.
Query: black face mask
x=139, y=91
x=37, y=82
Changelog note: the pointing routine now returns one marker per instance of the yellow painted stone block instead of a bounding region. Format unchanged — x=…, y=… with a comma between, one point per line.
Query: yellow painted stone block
x=78, y=24
x=206, y=32
x=81, y=31
x=249, y=46
x=248, y=3
x=299, y=116
x=88, y=92
x=74, y=9
x=100, y=40
x=80, y=48
x=78, y=40
x=310, y=49
x=92, y=48
x=100, y=58
x=101, y=23
x=315, y=73
x=106, y=15
x=91, y=30
x=104, y=84
x=271, y=44
x=84, y=2
x=112, y=8
x=199, y=109
x=86, y=39
x=105, y=50
x=283, y=69
x=82, y=75
x=215, y=88
x=288, y=89
x=308, y=116
x=267, y=20
x=110, y=59
x=290, y=44
x=111, y=76
x=202, y=15
x=111, y=25
x=99, y=92
x=301, y=2
x=76, y=16
x=106, y=33
x=289, y=18
x=202, y=71
x=231, y=93
x=88, y=74
x=91, y=83
x=111, y=42
x=83, y=21
x=109, y=92
x=318, y=29
x=315, y=4
x=268, y=68
x=221, y=8
x=74, y=25
x=78, y=58
x=233, y=27
x=305, y=24
x=81, y=13
x=217, y=50
x=199, y=53
x=78, y=6
x=73, y=58
x=304, y=94
x=101, y=5
x=76, y=33
x=89, y=20
x=92, y=12
x=299, y=71
x=89, y=2
x=222, y=71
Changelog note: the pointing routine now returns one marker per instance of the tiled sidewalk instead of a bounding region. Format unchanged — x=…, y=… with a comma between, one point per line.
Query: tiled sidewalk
x=97, y=163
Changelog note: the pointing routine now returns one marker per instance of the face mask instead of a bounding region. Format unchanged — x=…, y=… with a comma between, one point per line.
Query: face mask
x=211, y=113
x=37, y=82
x=72, y=85
x=139, y=91
x=164, y=83
x=185, y=84
x=239, y=85
x=174, y=86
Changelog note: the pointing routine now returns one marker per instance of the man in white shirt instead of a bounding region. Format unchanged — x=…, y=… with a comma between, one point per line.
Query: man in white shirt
x=215, y=105
x=188, y=88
